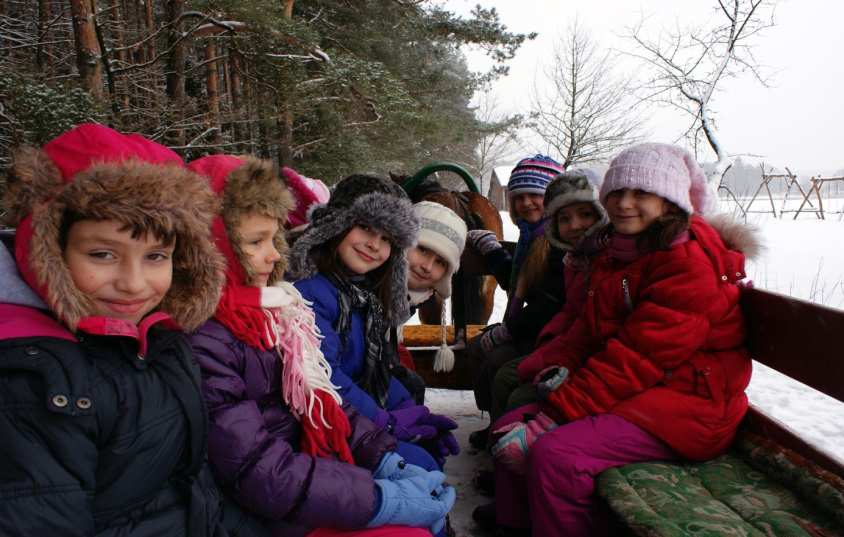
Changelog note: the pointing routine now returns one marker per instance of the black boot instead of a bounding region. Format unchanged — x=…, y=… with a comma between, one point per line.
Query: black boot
x=484, y=482
x=479, y=439
x=484, y=516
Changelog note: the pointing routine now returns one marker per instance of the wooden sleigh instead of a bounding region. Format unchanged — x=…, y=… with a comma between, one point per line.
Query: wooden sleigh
x=781, y=484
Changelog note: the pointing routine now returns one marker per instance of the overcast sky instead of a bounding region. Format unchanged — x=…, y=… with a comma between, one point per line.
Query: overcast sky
x=797, y=122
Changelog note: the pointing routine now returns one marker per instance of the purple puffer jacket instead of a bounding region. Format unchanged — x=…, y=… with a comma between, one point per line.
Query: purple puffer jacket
x=253, y=443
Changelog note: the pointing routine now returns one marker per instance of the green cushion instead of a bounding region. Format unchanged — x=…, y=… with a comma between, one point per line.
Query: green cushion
x=754, y=490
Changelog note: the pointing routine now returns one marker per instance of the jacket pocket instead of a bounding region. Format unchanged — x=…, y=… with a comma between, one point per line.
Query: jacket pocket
x=709, y=378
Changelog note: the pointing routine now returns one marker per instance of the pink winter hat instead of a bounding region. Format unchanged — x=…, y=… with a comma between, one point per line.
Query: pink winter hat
x=308, y=192
x=666, y=170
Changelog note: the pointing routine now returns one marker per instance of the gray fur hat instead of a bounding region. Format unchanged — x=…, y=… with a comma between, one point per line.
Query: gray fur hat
x=572, y=186
x=371, y=201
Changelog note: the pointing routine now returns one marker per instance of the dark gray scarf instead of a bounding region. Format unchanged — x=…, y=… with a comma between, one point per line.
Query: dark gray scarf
x=376, y=372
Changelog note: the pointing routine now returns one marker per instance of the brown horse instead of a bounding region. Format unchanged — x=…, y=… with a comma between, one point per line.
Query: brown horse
x=472, y=295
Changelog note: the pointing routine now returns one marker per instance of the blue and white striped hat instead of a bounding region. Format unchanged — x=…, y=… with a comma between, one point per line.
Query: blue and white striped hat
x=532, y=175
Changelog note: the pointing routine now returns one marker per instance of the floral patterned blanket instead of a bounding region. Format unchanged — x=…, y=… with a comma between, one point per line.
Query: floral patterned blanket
x=758, y=489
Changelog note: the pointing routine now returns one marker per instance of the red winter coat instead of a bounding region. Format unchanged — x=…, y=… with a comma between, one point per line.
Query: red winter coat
x=670, y=335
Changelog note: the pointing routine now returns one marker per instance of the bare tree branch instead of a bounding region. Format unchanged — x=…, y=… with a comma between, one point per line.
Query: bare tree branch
x=685, y=72
x=587, y=115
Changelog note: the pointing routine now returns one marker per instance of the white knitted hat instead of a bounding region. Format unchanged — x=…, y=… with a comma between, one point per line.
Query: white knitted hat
x=442, y=231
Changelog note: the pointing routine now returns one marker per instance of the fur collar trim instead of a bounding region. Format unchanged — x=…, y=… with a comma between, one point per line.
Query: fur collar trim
x=739, y=236
x=159, y=197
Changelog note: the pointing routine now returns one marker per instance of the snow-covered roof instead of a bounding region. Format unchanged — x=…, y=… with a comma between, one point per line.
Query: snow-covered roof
x=503, y=173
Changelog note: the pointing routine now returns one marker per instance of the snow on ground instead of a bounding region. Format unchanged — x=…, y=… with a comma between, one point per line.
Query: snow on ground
x=802, y=258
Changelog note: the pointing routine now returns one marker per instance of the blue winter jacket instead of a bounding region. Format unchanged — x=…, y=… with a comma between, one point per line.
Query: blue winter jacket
x=346, y=352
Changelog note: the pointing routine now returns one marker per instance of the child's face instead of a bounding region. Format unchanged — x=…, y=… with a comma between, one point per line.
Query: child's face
x=573, y=221
x=529, y=207
x=125, y=277
x=256, y=233
x=425, y=268
x=364, y=249
x=633, y=211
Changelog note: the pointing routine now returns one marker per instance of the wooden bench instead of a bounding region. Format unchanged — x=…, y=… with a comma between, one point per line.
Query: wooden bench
x=771, y=482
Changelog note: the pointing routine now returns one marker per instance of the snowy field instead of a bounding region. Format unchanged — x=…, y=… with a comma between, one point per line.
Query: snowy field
x=802, y=258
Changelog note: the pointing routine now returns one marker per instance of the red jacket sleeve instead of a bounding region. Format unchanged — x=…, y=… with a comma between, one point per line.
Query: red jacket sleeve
x=668, y=324
x=567, y=348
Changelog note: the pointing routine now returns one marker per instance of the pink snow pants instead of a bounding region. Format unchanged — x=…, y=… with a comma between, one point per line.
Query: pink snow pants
x=557, y=496
x=383, y=531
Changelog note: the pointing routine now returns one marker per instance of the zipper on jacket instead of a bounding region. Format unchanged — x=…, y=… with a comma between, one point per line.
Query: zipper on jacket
x=625, y=287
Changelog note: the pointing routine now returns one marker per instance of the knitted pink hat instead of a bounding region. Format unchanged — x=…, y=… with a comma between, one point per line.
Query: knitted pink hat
x=666, y=170
x=308, y=192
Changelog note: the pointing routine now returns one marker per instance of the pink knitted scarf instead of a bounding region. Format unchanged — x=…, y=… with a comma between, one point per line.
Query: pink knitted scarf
x=287, y=325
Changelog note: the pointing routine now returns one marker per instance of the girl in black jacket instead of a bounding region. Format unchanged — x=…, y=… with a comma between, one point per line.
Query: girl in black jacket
x=102, y=420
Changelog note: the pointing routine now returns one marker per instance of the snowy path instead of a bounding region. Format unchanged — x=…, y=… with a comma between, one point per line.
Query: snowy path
x=461, y=469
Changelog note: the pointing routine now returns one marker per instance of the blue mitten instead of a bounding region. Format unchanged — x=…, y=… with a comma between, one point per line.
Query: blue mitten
x=393, y=467
x=419, y=501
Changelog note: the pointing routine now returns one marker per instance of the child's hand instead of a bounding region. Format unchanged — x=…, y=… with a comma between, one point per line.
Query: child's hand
x=549, y=379
x=511, y=449
x=482, y=240
x=494, y=336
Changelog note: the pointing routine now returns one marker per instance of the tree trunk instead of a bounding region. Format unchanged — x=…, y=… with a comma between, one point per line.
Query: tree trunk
x=87, y=48
x=236, y=95
x=42, y=53
x=117, y=25
x=175, y=79
x=285, y=120
x=212, y=83
x=149, y=18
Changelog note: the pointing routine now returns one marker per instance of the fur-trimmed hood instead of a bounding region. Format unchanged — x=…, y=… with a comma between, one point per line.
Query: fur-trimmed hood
x=371, y=201
x=739, y=236
x=245, y=185
x=94, y=172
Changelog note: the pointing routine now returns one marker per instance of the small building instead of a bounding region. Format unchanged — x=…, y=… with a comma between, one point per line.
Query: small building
x=497, y=193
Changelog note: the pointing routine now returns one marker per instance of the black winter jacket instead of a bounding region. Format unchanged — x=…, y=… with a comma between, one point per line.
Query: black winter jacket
x=94, y=439
x=99, y=441
x=540, y=305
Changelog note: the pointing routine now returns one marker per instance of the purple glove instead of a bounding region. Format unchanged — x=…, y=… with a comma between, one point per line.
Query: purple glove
x=441, y=447
x=482, y=240
x=444, y=444
x=407, y=424
x=442, y=423
x=494, y=336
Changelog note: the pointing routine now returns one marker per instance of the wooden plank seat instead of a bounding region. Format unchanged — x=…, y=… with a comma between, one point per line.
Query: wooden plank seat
x=430, y=335
x=771, y=482
x=424, y=340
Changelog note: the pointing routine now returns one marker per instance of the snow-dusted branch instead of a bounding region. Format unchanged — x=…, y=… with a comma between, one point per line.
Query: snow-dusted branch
x=686, y=67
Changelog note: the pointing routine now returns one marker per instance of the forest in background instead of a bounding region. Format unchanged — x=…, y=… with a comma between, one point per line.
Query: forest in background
x=329, y=87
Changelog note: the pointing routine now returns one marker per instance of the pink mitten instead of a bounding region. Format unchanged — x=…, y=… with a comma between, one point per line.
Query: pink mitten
x=511, y=450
